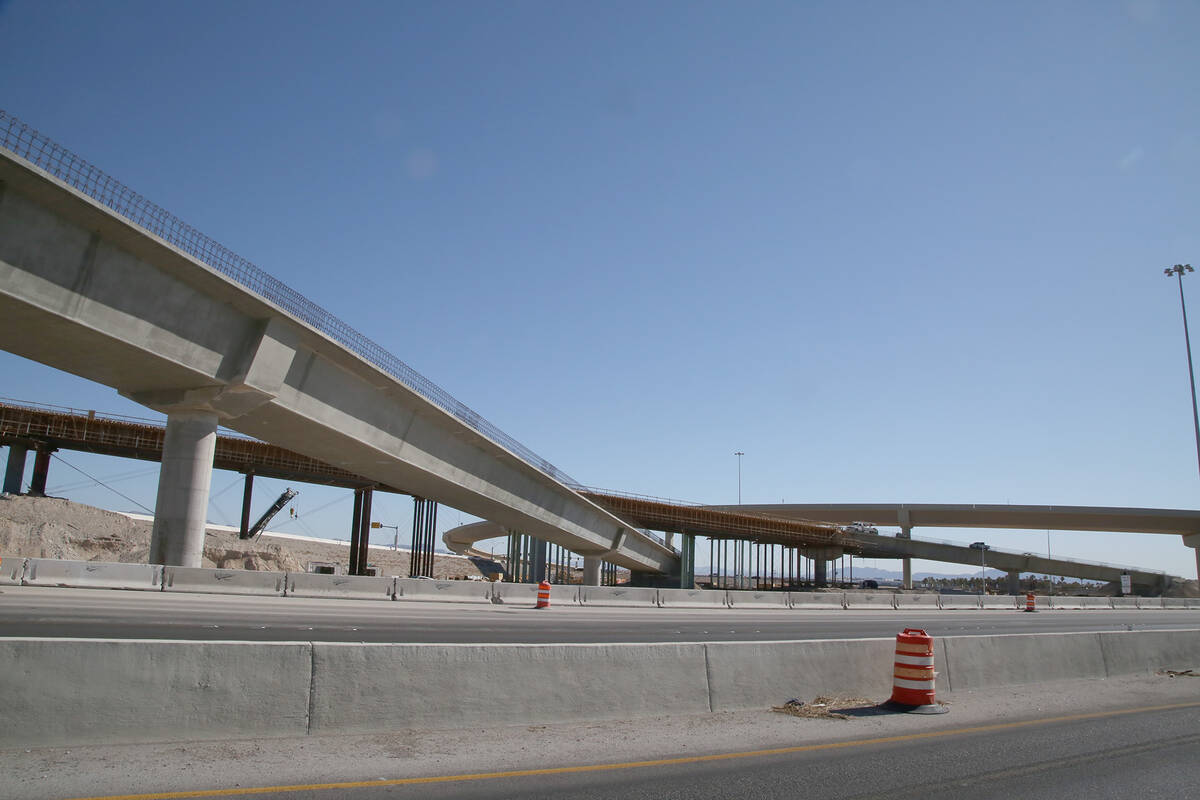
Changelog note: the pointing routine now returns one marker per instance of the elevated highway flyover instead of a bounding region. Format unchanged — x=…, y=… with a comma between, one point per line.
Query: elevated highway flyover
x=97, y=281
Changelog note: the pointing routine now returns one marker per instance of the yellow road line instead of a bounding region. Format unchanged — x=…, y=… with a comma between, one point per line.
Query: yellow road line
x=662, y=762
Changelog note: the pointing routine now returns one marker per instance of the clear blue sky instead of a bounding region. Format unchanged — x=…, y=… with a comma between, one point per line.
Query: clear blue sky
x=893, y=252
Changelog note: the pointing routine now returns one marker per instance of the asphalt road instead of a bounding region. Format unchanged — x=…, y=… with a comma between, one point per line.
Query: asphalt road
x=91, y=613
x=1149, y=753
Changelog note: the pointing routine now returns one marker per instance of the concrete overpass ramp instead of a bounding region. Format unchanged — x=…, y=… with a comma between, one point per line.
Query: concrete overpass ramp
x=137, y=300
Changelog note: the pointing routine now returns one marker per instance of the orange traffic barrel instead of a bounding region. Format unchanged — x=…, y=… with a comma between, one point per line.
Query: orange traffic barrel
x=1030, y=602
x=912, y=673
x=543, y=600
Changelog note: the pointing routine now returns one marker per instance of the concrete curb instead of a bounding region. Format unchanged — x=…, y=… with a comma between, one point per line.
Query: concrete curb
x=80, y=691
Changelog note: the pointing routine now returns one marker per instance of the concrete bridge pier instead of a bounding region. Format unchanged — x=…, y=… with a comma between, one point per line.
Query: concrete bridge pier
x=14, y=471
x=821, y=556
x=184, y=479
x=41, y=471
x=1014, y=581
x=1193, y=541
x=591, y=570
x=906, y=562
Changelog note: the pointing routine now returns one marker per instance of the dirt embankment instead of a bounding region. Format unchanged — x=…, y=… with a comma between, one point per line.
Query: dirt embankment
x=51, y=527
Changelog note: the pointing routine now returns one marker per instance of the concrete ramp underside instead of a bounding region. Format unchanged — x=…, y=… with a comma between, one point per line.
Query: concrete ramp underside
x=85, y=291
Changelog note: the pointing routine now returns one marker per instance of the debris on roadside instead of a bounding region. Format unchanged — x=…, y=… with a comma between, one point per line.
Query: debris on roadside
x=821, y=707
x=1177, y=673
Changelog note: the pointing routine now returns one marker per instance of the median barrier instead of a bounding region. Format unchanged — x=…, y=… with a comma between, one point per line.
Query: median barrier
x=66, y=692
x=223, y=581
x=1095, y=602
x=354, y=685
x=1125, y=602
x=12, y=568
x=1002, y=601
x=1174, y=602
x=870, y=600
x=1064, y=602
x=1042, y=602
x=692, y=598
x=984, y=662
x=515, y=594
x=92, y=574
x=817, y=599
x=1146, y=652
x=745, y=599
x=745, y=675
x=443, y=591
x=617, y=596
x=958, y=601
x=906, y=600
x=348, y=587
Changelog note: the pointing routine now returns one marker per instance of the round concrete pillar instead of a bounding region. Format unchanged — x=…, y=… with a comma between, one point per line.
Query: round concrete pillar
x=591, y=570
x=181, y=509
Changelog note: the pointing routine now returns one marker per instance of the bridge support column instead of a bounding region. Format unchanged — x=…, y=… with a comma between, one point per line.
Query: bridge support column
x=540, y=547
x=687, y=562
x=1014, y=581
x=14, y=472
x=591, y=570
x=821, y=556
x=184, y=479
x=906, y=563
x=1193, y=541
x=41, y=471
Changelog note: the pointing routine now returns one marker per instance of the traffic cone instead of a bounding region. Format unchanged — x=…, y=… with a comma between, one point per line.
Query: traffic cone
x=913, y=675
x=543, y=600
x=1030, y=602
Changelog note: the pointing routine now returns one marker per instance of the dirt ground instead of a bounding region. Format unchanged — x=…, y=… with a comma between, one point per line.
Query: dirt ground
x=52, y=527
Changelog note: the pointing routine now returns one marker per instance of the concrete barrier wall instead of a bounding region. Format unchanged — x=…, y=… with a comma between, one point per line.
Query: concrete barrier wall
x=692, y=598
x=69, y=692
x=617, y=596
x=868, y=600
x=1095, y=602
x=444, y=591
x=906, y=601
x=348, y=587
x=1126, y=602
x=223, y=581
x=983, y=662
x=11, y=570
x=958, y=601
x=456, y=685
x=516, y=594
x=1065, y=602
x=92, y=574
x=95, y=691
x=817, y=599
x=761, y=674
x=1000, y=601
x=758, y=599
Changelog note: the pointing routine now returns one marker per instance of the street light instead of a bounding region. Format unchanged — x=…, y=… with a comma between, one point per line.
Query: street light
x=739, y=454
x=982, y=547
x=1178, y=270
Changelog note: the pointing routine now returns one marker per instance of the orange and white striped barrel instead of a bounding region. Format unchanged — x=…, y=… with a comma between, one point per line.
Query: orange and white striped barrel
x=543, y=600
x=912, y=681
x=1030, y=602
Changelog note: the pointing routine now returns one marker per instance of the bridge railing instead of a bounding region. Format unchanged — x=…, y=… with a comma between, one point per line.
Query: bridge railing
x=40, y=150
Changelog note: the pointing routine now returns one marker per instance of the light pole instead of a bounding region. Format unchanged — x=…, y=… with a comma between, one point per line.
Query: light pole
x=982, y=547
x=1178, y=270
x=739, y=454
